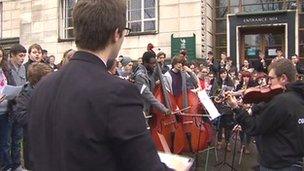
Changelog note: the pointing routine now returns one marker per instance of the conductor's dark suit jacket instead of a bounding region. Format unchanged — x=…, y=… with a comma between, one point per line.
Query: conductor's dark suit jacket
x=84, y=119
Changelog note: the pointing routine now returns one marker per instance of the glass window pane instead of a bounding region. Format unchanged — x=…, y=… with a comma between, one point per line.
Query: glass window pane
x=302, y=6
x=70, y=33
x=71, y=3
x=135, y=4
x=234, y=9
x=301, y=48
x=301, y=21
x=252, y=40
x=234, y=2
x=274, y=39
x=135, y=15
x=220, y=26
x=222, y=3
x=135, y=27
x=301, y=36
x=149, y=3
x=253, y=8
x=221, y=40
x=149, y=13
x=247, y=2
x=149, y=26
x=69, y=22
x=221, y=12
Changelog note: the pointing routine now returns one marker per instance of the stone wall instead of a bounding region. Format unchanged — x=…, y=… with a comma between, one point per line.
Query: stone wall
x=37, y=21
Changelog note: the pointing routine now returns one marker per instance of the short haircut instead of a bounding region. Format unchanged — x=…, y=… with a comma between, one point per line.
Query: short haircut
x=36, y=71
x=177, y=59
x=44, y=51
x=284, y=66
x=160, y=54
x=210, y=53
x=222, y=70
x=34, y=46
x=95, y=22
x=147, y=56
x=17, y=48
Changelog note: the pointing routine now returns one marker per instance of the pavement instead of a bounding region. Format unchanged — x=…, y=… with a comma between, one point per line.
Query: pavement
x=242, y=162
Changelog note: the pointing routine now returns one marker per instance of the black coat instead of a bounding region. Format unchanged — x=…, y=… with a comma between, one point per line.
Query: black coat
x=82, y=118
x=278, y=127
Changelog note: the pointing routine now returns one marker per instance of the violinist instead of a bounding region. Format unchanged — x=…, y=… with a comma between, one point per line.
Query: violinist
x=277, y=125
x=246, y=82
x=226, y=122
x=145, y=79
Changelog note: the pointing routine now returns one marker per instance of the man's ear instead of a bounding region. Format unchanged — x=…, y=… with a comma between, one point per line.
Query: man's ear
x=284, y=78
x=116, y=36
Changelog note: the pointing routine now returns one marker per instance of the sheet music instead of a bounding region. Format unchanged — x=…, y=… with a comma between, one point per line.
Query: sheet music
x=11, y=92
x=176, y=162
x=208, y=104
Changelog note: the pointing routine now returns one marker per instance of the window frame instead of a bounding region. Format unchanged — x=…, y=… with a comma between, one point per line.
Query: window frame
x=1, y=20
x=143, y=19
x=63, y=22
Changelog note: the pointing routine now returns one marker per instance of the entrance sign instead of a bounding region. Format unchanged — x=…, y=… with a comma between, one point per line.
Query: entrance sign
x=254, y=22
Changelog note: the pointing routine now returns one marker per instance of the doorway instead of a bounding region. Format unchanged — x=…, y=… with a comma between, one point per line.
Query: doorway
x=265, y=39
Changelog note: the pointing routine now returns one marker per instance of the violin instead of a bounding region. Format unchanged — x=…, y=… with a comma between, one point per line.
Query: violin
x=262, y=94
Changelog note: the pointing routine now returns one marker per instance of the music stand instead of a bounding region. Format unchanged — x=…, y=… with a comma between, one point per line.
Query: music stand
x=224, y=162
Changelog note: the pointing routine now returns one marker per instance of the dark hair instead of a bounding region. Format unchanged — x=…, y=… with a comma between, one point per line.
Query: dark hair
x=95, y=22
x=44, y=51
x=284, y=66
x=34, y=46
x=222, y=70
x=3, y=62
x=36, y=71
x=147, y=56
x=17, y=48
x=210, y=53
x=160, y=54
x=177, y=59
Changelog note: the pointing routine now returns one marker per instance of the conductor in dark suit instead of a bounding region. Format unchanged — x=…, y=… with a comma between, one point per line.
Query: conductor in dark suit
x=81, y=118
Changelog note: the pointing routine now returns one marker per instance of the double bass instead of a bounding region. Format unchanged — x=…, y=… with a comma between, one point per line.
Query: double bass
x=195, y=130
x=166, y=131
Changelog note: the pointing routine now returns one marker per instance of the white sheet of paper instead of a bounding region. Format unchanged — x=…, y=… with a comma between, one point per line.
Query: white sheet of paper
x=176, y=162
x=208, y=104
x=11, y=92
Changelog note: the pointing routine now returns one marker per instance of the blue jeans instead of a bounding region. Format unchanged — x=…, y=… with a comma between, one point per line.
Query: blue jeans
x=294, y=167
x=16, y=140
x=5, y=156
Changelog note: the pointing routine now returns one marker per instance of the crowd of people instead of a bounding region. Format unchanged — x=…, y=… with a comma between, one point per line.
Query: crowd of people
x=87, y=112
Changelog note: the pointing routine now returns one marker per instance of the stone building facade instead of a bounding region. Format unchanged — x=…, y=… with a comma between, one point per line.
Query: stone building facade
x=48, y=23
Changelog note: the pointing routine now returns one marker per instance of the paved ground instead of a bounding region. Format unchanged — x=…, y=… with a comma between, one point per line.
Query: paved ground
x=247, y=163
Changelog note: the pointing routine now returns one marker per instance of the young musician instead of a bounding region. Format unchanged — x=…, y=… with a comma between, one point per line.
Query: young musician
x=180, y=78
x=145, y=79
x=279, y=124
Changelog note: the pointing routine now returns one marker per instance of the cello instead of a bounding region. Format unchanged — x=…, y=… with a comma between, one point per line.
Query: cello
x=195, y=132
x=166, y=132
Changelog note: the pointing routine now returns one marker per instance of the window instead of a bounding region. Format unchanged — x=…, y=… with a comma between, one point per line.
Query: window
x=1, y=21
x=66, y=31
x=141, y=15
